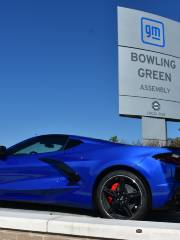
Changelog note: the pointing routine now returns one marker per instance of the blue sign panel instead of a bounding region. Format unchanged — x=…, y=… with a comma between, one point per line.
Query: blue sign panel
x=152, y=32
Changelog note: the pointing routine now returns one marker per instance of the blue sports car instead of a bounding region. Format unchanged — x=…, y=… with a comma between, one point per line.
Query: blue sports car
x=120, y=181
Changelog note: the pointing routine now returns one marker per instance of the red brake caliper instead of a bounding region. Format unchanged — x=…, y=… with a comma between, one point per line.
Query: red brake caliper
x=113, y=188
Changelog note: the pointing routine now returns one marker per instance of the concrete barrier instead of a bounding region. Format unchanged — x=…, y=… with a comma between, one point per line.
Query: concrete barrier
x=43, y=222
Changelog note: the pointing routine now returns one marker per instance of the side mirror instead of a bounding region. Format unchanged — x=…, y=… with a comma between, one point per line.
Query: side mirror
x=3, y=151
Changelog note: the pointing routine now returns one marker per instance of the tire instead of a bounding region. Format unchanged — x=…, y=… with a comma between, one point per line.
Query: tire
x=122, y=195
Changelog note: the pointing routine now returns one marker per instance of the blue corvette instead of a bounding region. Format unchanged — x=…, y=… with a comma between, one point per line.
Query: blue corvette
x=118, y=180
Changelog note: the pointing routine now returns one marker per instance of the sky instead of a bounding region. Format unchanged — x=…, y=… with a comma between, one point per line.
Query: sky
x=58, y=68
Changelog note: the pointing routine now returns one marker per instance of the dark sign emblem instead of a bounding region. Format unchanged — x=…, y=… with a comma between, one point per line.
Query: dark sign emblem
x=156, y=106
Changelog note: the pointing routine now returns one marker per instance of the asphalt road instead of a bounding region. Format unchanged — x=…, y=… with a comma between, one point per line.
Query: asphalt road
x=164, y=216
x=155, y=216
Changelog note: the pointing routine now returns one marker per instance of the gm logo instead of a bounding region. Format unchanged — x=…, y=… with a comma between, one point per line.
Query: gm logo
x=152, y=32
x=156, y=106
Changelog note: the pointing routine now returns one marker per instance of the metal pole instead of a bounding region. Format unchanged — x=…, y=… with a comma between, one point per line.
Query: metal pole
x=154, y=131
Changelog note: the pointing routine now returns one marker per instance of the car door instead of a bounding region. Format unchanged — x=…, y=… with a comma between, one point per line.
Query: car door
x=26, y=174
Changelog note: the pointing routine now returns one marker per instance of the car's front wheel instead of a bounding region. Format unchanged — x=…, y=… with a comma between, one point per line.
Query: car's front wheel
x=122, y=195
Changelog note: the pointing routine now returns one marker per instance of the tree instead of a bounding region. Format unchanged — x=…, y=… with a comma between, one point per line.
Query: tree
x=114, y=139
x=175, y=142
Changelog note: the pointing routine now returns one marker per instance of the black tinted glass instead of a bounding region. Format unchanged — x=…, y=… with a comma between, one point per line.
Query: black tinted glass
x=73, y=143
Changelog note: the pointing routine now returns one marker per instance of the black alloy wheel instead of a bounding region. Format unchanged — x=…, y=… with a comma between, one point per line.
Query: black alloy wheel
x=122, y=195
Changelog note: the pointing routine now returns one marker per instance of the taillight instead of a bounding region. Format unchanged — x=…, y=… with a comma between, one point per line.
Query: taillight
x=168, y=157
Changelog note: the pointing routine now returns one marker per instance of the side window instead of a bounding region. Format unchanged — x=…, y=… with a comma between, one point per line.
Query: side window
x=73, y=143
x=40, y=147
x=43, y=144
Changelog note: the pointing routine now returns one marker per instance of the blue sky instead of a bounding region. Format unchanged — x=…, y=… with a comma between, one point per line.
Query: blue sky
x=58, y=68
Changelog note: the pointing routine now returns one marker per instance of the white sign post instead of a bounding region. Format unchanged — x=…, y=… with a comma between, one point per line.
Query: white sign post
x=149, y=70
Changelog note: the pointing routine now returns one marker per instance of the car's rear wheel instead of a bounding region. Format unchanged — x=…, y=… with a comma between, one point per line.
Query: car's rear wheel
x=122, y=195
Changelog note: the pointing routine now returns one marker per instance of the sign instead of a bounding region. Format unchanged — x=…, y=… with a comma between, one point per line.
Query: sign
x=149, y=65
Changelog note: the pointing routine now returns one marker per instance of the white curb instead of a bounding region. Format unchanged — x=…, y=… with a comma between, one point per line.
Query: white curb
x=71, y=224
x=114, y=229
